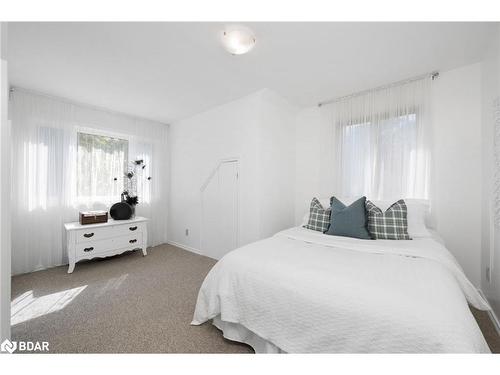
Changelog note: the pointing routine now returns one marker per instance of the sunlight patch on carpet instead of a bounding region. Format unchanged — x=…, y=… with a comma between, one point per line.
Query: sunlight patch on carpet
x=26, y=306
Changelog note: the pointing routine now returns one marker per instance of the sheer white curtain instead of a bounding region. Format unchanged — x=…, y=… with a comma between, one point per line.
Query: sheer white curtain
x=382, y=142
x=48, y=190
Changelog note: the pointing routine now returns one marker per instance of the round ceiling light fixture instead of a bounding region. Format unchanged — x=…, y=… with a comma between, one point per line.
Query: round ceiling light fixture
x=238, y=39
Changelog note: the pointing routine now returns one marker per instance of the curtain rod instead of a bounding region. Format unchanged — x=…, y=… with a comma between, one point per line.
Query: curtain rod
x=81, y=104
x=432, y=75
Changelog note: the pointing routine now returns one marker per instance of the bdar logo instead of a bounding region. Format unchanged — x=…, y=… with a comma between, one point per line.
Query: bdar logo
x=8, y=346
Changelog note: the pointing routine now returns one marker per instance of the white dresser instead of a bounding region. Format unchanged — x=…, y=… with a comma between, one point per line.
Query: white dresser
x=104, y=240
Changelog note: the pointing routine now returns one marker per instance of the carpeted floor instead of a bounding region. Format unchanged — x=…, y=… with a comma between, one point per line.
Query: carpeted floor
x=128, y=304
x=488, y=329
x=123, y=304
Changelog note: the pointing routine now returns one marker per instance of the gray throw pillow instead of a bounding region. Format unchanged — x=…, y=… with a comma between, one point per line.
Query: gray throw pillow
x=389, y=225
x=319, y=217
x=349, y=221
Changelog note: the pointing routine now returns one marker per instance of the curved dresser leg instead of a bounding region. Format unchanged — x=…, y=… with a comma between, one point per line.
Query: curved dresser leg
x=71, y=267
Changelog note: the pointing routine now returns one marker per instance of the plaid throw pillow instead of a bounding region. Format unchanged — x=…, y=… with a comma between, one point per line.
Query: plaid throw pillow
x=319, y=217
x=389, y=225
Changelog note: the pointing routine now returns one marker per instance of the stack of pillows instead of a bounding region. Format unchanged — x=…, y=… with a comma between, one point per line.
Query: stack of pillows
x=361, y=219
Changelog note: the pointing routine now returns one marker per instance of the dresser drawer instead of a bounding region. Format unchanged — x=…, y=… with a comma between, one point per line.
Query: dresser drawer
x=97, y=234
x=132, y=241
x=124, y=230
x=94, y=234
x=94, y=248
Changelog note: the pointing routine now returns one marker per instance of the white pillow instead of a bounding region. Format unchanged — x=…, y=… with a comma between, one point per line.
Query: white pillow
x=418, y=213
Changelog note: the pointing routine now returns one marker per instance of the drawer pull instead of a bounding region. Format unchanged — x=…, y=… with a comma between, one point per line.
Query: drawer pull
x=132, y=228
x=87, y=249
x=88, y=235
x=132, y=241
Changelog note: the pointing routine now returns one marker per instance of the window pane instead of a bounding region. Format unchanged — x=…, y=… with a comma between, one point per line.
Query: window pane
x=101, y=160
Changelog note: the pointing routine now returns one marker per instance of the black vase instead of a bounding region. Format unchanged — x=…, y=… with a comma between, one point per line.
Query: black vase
x=121, y=211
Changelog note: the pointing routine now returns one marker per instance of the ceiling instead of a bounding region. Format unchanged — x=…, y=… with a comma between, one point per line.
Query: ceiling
x=169, y=71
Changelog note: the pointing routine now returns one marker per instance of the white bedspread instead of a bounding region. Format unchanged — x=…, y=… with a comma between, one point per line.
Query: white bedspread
x=306, y=292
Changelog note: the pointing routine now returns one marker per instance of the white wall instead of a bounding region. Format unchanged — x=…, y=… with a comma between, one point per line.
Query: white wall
x=4, y=191
x=314, y=155
x=197, y=144
x=457, y=185
x=490, y=233
x=258, y=130
x=456, y=100
x=276, y=161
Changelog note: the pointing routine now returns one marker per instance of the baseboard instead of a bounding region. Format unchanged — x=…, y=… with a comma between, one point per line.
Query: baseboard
x=491, y=314
x=185, y=247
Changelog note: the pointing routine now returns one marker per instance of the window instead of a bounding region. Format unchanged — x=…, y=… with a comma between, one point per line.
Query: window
x=379, y=158
x=382, y=142
x=101, y=165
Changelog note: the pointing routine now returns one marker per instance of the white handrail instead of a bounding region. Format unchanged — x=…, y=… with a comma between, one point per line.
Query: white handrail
x=214, y=171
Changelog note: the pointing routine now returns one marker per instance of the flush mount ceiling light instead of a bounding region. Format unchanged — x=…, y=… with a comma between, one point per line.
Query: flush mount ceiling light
x=238, y=39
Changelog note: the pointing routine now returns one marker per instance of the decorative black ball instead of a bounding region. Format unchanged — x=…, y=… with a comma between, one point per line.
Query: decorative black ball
x=120, y=211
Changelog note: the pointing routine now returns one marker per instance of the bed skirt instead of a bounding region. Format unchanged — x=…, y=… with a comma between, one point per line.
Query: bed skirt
x=237, y=332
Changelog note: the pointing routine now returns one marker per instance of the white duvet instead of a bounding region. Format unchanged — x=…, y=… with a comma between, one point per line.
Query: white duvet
x=306, y=292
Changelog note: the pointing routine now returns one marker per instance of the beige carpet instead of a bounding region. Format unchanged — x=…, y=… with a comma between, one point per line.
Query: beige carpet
x=128, y=304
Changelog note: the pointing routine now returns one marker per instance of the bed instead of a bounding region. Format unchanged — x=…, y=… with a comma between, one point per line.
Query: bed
x=302, y=291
